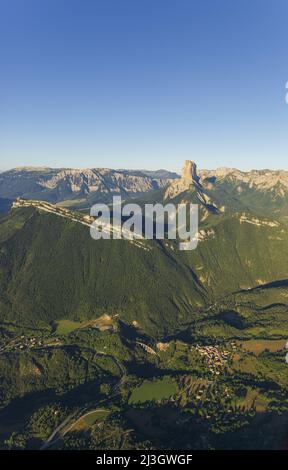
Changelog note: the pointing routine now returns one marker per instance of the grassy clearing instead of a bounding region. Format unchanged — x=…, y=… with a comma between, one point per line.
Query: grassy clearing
x=269, y=331
x=253, y=399
x=257, y=346
x=246, y=365
x=153, y=390
x=65, y=327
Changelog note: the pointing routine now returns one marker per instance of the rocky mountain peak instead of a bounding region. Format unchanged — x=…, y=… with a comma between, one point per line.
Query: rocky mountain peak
x=188, y=179
x=189, y=171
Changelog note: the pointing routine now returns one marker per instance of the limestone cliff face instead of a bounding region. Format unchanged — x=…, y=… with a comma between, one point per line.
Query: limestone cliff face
x=189, y=172
x=262, y=180
x=189, y=178
x=273, y=182
x=104, y=180
x=65, y=183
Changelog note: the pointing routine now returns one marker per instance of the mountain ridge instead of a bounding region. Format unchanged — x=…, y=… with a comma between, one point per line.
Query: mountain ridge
x=264, y=190
x=84, y=185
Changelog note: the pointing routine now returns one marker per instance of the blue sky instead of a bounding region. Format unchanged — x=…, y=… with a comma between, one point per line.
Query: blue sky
x=143, y=83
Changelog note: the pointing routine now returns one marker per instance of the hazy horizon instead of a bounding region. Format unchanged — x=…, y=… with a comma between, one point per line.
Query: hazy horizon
x=175, y=170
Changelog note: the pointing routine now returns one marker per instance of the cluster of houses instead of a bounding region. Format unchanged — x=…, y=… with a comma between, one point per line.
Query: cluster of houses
x=20, y=343
x=215, y=357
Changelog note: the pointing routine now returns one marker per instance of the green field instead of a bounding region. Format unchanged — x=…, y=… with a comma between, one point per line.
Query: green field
x=253, y=398
x=153, y=391
x=257, y=346
x=65, y=327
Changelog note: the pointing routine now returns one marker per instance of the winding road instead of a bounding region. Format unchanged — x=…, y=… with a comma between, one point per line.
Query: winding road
x=75, y=417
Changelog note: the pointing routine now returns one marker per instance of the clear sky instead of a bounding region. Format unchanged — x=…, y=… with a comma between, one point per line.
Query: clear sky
x=143, y=83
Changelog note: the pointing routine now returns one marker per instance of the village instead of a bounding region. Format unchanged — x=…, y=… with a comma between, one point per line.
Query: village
x=23, y=343
x=216, y=358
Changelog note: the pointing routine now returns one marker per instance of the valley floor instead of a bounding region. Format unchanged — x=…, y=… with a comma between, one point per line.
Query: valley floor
x=92, y=385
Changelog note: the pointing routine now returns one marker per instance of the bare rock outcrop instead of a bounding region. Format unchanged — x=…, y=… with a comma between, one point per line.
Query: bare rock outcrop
x=189, y=172
x=189, y=178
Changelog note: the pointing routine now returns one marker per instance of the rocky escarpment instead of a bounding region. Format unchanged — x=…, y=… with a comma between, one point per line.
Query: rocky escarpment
x=56, y=185
x=262, y=180
x=104, y=180
x=73, y=216
x=189, y=178
x=262, y=192
x=190, y=181
x=189, y=172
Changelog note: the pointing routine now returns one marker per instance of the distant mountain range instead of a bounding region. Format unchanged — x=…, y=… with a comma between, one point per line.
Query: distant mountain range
x=262, y=191
x=79, y=186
